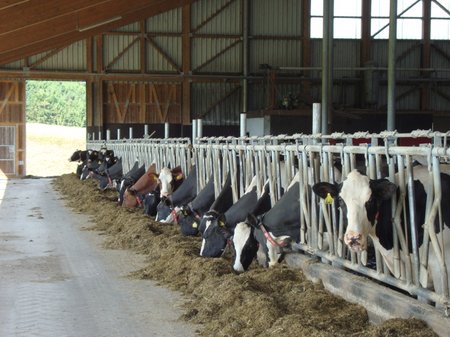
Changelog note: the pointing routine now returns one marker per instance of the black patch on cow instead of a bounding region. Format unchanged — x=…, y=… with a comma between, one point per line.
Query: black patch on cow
x=249, y=250
x=384, y=227
x=284, y=217
x=445, y=202
x=164, y=208
x=151, y=201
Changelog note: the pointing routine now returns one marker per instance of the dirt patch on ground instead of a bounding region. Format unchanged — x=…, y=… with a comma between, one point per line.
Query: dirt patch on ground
x=260, y=302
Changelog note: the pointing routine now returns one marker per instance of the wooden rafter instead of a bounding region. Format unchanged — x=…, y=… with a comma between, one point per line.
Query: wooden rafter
x=166, y=56
x=39, y=25
x=223, y=51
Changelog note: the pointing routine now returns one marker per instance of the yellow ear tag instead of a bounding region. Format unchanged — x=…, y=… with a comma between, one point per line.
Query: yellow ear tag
x=194, y=225
x=179, y=177
x=221, y=224
x=329, y=199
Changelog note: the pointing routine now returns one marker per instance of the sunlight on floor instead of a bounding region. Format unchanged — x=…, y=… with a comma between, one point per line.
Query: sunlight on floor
x=3, y=183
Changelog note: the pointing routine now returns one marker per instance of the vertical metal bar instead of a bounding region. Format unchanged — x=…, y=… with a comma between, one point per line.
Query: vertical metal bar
x=412, y=219
x=327, y=64
x=243, y=125
x=391, y=65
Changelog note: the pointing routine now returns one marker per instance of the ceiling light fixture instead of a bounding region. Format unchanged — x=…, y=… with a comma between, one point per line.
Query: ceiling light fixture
x=82, y=29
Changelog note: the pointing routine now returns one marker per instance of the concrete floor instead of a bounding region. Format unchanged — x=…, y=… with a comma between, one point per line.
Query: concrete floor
x=56, y=280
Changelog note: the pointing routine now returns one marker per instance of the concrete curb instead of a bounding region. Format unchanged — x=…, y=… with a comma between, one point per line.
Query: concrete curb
x=380, y=302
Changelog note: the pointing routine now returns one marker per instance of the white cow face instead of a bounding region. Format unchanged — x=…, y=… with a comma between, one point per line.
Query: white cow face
x=165, y=179
x=359, y=200
x=245, y=246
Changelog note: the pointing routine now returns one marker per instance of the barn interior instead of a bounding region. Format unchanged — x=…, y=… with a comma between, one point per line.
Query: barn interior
x=373, y=65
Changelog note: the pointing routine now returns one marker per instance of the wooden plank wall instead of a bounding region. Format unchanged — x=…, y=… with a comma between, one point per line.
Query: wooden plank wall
x=141, y=103
x=12, y=112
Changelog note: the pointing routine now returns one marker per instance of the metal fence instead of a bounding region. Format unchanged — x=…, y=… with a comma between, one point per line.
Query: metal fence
x=316, y=158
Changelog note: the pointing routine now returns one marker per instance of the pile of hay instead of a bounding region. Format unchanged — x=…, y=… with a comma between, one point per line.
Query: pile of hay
x=260, y=302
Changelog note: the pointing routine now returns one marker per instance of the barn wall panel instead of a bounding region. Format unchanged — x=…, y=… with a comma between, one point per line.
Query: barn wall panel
x=167, y=22
x=121, y=53
x=205, y=55
x=227, y=17
x=141, y=103
x=275, y=31
x=70, y=58
x=216, y=36
x=216, y=103
x=169, y=61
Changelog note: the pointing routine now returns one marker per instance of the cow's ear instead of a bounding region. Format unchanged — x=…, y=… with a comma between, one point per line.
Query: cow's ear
x=383, y=189
x=322, y=189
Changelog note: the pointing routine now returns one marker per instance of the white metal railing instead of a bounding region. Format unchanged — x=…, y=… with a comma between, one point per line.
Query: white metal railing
x=278, y=159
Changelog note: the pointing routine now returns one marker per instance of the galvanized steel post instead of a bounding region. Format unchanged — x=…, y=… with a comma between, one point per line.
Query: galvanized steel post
x=391, y=66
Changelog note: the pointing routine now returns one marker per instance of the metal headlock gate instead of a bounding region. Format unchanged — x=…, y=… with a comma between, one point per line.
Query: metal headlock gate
x=278, y=159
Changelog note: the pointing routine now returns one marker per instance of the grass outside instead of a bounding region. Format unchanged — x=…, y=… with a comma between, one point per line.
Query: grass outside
x=49, y=148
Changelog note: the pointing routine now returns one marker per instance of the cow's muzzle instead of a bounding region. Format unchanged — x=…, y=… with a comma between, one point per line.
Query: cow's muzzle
x=355, y=241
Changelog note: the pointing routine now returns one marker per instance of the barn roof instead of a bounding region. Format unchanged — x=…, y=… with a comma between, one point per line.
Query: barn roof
x=28, y=27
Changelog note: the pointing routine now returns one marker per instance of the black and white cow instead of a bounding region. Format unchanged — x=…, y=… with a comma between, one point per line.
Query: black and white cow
x=219, y=227
x=189, y=215
x=366, y=205
x=278, y=227
x=166, y=209
x=245, y=243
x=110, y=175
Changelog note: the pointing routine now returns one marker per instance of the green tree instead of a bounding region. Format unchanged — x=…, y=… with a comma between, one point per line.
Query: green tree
x=56, y=102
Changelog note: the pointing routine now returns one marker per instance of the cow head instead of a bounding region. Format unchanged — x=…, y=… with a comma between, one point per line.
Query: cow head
x=163, y=210
x=359, y=199
x=79, y=155
x=147, y=183
x=245, y=244
x=151, y=201
x=169, y=180
x=215, y=234
x=189, y=221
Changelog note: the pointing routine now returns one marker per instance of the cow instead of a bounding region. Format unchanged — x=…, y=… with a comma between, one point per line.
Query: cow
x=182, y=196
x=81, y=157
x=169, y=180
x=367, y=212
x=189, y=215
x=111, y=175
x=133, y=196
x=166, y=181
x=129, y=179
x=245, y=243
x=92, y=163
x=274, y=232
x=222, y=203
x=219, y=227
